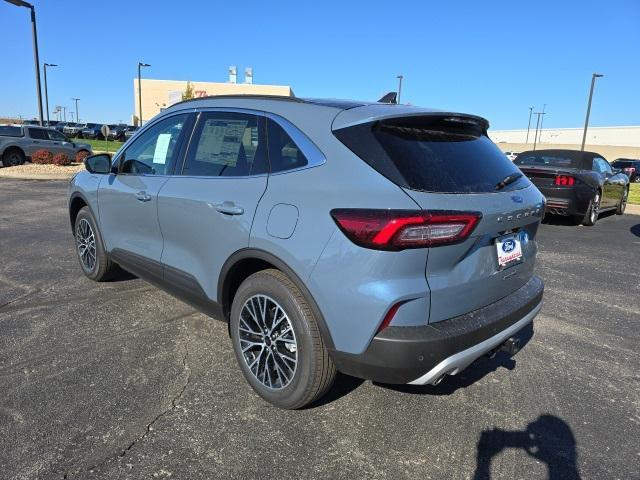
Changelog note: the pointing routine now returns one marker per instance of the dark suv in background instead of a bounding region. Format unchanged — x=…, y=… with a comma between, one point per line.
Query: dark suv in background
x=629, y=166
x=92, y=130
x=117, y=131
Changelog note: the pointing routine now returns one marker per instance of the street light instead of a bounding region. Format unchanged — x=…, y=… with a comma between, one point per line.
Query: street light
x=77, y=111
x=46, y=90
x=20, y=3
x=535, y=137
x=529, y=125
x=586, y=121
x=544, y=107
x=140, y=65
x=399, y=77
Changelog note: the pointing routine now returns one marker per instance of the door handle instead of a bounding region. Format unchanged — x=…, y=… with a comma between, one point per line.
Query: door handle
x=229, y=208
x=143, y=196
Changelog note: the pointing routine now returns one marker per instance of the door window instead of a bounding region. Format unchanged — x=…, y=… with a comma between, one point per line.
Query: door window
x=153, y=152
x=38, y=134
x=284, y=154
x=56, y=136
x=227, y=144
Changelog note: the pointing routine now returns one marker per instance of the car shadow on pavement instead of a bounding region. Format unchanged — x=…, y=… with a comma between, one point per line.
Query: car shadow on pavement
x=635, y=230
x=474, y=372
x=343, y=385
x=567, y=221
x=548, y=439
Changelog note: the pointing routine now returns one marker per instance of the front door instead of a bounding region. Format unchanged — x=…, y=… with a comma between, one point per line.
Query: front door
x=206, y=210
x=128, y=200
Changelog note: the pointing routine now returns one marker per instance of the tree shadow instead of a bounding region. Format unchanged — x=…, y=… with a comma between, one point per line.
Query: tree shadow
x=548, y=439
x=474, y=372
x=635, y=230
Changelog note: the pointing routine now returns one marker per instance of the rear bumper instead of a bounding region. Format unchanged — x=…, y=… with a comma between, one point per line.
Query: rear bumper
x=567, y=201
x=422, y=355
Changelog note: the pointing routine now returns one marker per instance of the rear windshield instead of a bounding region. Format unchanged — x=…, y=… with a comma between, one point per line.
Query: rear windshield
x=433, y=154
x=10, y=131
x=547, y=160
x=625, y=163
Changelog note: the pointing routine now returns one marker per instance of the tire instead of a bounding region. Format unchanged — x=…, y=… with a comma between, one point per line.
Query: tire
x=297, y=369
x=623, y=202
x=591, y=217
x=12, y=157
x=88, y=236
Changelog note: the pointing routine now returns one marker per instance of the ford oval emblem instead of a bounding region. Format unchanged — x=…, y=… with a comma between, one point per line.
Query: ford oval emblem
x=508, y=245
x=517, y=198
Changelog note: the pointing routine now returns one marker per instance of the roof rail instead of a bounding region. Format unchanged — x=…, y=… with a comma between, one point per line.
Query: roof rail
x=283, y=98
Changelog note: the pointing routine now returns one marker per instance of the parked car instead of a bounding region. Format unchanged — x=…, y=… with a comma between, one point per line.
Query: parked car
x=629, y=166
x=320, y=232
x=31, y=122
x=117, y=132
x=130, y=132
x=93, y=131
x=18, y=143
x=511, y=155
x=73, y=130
x=60, y=126
x=51, y=123
x=579, y=184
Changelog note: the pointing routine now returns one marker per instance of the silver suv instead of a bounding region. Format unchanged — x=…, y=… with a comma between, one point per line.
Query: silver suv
x=389, y=242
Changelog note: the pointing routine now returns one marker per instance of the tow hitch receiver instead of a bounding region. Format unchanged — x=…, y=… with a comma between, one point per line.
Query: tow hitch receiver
x=511, y=346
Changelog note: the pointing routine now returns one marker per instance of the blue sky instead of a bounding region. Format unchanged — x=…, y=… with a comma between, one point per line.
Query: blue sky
x=493, y=58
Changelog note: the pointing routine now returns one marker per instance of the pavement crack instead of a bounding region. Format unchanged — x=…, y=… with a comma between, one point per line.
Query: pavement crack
x=149, y=427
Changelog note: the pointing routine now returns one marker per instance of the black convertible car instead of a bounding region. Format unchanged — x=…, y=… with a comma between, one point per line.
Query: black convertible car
x=579, y=184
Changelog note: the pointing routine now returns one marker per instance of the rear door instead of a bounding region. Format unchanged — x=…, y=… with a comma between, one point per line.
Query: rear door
x=39, y=140
x=128, y=201
x=449, y=164
x=611, y=189
x=206, y=211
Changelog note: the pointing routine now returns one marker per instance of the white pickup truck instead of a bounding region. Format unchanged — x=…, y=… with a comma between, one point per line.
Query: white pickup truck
x=19, y=142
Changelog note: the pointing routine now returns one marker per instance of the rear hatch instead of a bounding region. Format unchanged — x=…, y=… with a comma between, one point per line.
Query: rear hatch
x=446, y=162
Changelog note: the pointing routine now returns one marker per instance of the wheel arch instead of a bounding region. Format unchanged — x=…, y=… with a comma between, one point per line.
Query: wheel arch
x=14, y=146
x=76, y=202
x=248, y=261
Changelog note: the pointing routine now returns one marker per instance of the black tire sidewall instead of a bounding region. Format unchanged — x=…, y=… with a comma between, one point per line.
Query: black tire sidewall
x=294, y=393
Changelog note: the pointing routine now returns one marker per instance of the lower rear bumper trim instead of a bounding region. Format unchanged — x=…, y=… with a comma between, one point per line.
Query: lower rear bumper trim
x=461, y=360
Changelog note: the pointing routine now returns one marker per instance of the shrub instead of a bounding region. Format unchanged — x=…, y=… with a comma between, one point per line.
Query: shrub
x=61, y=159
x=42, y=157
x=81, y=155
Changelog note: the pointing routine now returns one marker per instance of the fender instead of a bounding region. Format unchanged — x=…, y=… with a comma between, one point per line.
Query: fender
x=79, y=195
x=255, y=253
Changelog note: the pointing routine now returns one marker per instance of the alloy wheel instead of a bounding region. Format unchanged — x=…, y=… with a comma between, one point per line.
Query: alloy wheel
x=595, y=208
x=268, y=342
x=86, y=244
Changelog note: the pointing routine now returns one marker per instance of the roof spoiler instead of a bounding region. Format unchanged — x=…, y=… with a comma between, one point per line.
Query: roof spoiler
x=391, y=97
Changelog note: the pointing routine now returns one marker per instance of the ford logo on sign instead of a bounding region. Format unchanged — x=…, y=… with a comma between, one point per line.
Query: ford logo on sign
x=516, y=198
x=508, y=245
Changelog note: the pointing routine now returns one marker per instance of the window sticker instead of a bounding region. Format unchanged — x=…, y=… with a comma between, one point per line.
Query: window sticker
x=220, y=141
x=162, y=147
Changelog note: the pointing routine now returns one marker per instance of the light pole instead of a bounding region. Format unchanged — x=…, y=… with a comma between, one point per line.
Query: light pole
x=140, y=65
x=535, y=137
x=21, y=3
x=586, y=121
x=77, y=111
x=529, y=125
x=64, y=113
x=544, y=107
x=46, y=90
x=399, y=77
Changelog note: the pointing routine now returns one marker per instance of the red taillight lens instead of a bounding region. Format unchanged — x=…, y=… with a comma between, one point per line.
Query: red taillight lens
x=400, y=229
x=565, y=180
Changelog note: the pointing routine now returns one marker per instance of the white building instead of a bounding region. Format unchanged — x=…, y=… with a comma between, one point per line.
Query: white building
x=619, y=136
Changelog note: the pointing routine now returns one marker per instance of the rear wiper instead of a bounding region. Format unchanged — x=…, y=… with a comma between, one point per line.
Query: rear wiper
x=508, y=180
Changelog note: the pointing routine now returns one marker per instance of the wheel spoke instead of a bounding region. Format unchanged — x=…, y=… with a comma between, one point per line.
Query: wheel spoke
x=267, y=342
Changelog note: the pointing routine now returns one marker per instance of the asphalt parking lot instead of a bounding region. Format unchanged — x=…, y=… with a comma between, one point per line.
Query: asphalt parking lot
x=120, y=380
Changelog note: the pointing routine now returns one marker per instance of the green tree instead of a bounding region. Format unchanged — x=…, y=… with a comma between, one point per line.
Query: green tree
x=188, y=92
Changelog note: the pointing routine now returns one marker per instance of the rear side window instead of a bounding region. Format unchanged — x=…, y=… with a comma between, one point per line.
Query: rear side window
x=10, y=131
x=432, y=154
x=227, y=144
x=38, y=133
x=284, y=154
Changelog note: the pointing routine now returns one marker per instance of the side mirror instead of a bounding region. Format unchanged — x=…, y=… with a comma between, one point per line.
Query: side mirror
x=100, y=163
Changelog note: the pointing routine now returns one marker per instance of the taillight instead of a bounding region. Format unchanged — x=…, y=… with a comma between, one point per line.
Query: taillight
x=565, y=180
x=400, y=229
